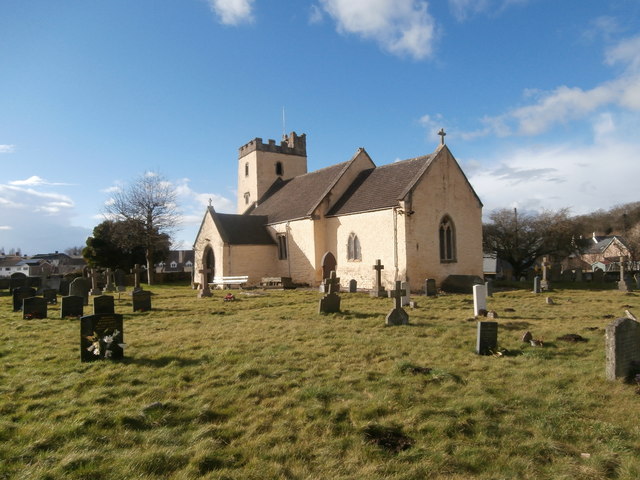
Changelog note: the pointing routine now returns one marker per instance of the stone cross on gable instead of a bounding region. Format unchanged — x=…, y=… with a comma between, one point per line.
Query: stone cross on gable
x=136, y=277
x=205, y=291
x=442, y=135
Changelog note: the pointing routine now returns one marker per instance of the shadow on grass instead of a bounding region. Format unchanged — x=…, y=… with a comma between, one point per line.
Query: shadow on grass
x=515, y=325
x=350, y=314
x=161, y=362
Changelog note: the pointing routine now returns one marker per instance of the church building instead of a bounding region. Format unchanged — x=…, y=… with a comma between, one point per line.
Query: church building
x=420, y=217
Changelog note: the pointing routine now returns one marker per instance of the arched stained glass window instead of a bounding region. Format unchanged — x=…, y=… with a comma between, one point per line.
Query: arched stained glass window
x=447, y=237
x=353, y=248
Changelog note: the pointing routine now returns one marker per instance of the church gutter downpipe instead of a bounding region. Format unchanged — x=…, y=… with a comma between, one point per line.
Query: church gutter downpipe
x=287, y=230
x=395, y=244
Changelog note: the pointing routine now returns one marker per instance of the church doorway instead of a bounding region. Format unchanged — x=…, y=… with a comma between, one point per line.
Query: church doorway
x=209, y=263
x=328, y=264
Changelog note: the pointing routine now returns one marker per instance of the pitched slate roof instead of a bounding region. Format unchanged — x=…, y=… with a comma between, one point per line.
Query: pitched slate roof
x=381, y=187
x=242, y=229
x=299, y=196
x=603, y=242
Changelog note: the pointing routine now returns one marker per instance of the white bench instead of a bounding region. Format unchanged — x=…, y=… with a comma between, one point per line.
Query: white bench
x=223, y=282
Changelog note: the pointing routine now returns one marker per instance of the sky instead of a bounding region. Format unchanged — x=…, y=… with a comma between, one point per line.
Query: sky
x=540, y=99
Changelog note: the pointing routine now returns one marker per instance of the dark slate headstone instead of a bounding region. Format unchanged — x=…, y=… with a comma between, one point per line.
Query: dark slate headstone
x=487, y=338
x=141, y=300
x=430, y=287
x=120, y=278
x=35, y=282
x=353, y=286
x=101, y=337
x=64, y=285
x=103, y=304
x=461, y=283
x=17, y=280
x=5, y=283
x=52, y=282
x=80, y=288
x=622, y=347
x=34, y=307
x=71, y=306
x=50, y=295
x=19, y=294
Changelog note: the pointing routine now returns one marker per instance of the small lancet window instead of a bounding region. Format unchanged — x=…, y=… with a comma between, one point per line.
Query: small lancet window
x=447, y=238
x=246, y=169
x=353, y=248
x=246, y=198
x=279, y=169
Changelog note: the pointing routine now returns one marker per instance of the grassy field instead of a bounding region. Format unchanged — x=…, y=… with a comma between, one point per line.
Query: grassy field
x=265, y=387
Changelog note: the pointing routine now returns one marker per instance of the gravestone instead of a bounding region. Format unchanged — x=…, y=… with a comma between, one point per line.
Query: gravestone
x=101, y=337
x=64, y=285
x=545, y=284
x=579, y=276
x=353, y=286
x=636, y=277
x=406, y=298
x=17, y=280
x=567, y=275
x=204, y=290
x=136, y=278
x=19, y=294
x=71, y=306
x=50, y=295
x=378, y=290
x=536, y=285
x=34, y=307
x=487, y=338
x=598, y=275
x=80, y=288
x=141, y=300
x=5, y=283
x=95, y=289
x=430, y=287
x=489, y=285
x=479, y=299
x=52, y=282
x=121, y=280
x=330, y=303
x=555, y=272
x=103, y=304
x=624, y=284
x=622, y=348
x=397, y=316
x=109, y=287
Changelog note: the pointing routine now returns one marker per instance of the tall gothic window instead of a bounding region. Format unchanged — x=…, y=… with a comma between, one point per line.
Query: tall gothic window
x=279, y=169
x=282, y=247
x=447, y=240
x=353, y=248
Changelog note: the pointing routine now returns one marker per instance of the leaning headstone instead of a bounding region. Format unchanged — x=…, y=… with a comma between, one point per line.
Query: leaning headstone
x=545, y=284
x=430, y=287
x=624, y=284
x=103, y=304
x=121, y=280
x=622, y=347
x=71, y=306
x=330, y=303
x=397, y=316
x=406, y=298
x=489, y=285
x=378, y=290
x=101, y=337
x=34, y=307
x=141, y=300
x=479, y=299
x=109, y=287
x=353, y=286
x=50, y=295
x=487, y=338
x=19, y=294
x=95, y=289
x=536, y=285
x=80, y=288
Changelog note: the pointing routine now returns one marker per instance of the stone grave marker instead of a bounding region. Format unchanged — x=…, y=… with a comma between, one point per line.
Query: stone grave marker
x=406, y=298
x=579, y=276
x=50, y=295
x=622, y=347
x=555, y=272
x=34, y=307
x=121, y=280
x=101, y=337
x=636, y=277
x=71, y=306
x=204, y=290
x=598, y=275
x=330, y=303
x=378, y=290
x=545, y=284
x=430, y=287
x=353, y=286
x=79, y=287
x=141, y=300
x=487, y=338
x=136, y=278
x=397, y=316
x=52, y=282
x=624, y=284
x=95, y=289
x=489, y=285
x=536, y=285
x=17, y=280
x=19, y=294
x=5, y=283
x=479, y=299
x=64, y=285
x=109, y=286
x=103, y=304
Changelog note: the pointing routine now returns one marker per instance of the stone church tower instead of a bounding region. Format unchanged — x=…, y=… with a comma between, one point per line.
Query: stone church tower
x=261, y=164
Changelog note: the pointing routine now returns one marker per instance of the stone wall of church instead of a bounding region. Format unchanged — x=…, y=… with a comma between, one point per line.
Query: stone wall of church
x=300, y=262
x=443, y=190
x=208, y=236
x=256, y=261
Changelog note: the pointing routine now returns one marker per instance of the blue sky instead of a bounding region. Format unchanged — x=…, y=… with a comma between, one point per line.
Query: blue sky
x=540, y=99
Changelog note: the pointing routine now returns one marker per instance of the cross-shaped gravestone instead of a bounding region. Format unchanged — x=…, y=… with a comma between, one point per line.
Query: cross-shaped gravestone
x=544, y=284
x=136, y=277
x=397, y=316
x=378, y=291
x=204, y=291
x=330, y=303
x=109, y=287
x=95, y=290
x=624, y=285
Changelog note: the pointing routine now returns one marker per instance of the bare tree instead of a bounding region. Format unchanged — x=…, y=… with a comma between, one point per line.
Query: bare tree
x=151, y=201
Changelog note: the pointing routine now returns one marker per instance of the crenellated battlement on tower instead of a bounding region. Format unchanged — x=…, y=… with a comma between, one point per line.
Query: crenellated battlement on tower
x=291, y=144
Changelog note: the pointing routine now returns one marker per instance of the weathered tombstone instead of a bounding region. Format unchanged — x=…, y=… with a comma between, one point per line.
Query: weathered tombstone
x=406, y=298
x=622, y=346
x=536, y=285
x=17, y=280
x=397, y=316
x=487, y=338
x=95, y=289
x=330, y=303
x=109, y=287
x=71, y=306
x=555, y=272
x=141, y=300
x=479, y=299
x=545, y=284
x=204, y=290
x=489, y=285
x=52, y=282
x=19, y=294
x=430, y=287
x=378, y=290
x=353, y=286
x=80, y=288
x=5, y=283
x=624, y=285
x=598, y=275
x=101, y=337
x=50, y=295
x=136, y=278
x=121, y=279
x=64, y=285
x=636, y=277
x=103, y=304
x=34, y=307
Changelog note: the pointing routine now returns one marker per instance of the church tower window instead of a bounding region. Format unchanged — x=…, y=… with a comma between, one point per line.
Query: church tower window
x=246, y=169
x=353, y=248
x=447, y=240
x=246, y=198
x=279, y=169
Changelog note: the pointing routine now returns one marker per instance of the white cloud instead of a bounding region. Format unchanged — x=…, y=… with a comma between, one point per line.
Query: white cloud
x=6, y=227
x=7, y=148
x=233, y=12
x=401, y=27
x=34, y=180
x=315, y=15
x=463, y=9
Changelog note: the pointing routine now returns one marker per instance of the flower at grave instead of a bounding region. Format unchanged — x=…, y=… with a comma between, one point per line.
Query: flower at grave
x=229, y=297
x=107, y=345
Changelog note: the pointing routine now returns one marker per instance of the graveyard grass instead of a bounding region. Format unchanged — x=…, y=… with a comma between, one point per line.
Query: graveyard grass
x=265, y=387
